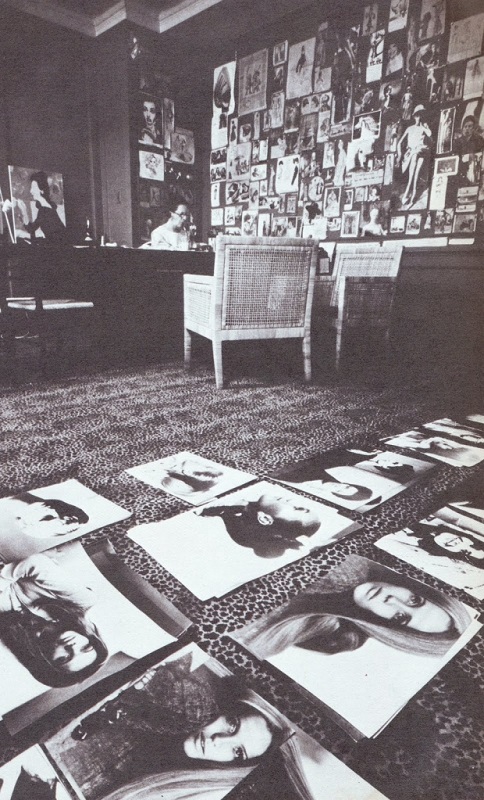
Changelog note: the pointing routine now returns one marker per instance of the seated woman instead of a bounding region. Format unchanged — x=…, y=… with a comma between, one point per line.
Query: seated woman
x=356, y=600
x=44, y=622
x=270, y=525
x=173, y=234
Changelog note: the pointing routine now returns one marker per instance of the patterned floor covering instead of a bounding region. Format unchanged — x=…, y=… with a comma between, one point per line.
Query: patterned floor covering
x=92, y=426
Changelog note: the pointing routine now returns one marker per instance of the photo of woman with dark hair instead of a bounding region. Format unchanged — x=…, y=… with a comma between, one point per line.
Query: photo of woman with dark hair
x=452, y=428
x=445, y=545
x=189, y=730
x=438, y=447
x=363, y=625
x=247, y=534
x=44, y=622
x=45, y=224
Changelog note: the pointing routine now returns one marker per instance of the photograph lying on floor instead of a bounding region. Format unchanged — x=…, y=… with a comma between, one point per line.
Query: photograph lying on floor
x=469, y=499
x=250, y=533
x=447, y=545
x=476, y=418
x=60, y=628
x=188, y=728
x=354, y=479
x=455, y=429
x=190, y=477
x=42, y=518
x=30, y=776
x=186, y=723
x=438, y=447
x=362, y=626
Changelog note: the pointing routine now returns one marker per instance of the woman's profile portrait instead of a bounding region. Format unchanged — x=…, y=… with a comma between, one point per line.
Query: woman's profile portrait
x=37, y=204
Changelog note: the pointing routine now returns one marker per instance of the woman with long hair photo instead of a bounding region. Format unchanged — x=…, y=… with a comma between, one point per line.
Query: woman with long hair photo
x=358, y=600
x=47, y=220
x=44, y=622
x=180, y=731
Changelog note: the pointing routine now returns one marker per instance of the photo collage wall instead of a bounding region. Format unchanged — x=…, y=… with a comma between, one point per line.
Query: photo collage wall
x=372, y=126
x=165, y=152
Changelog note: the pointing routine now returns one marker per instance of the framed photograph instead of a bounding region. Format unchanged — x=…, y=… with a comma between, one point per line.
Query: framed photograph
x=331, y=201
x=291, y=204
x=151, y=165
x=253, y=82
x=183, y=146
x=397, y=224
x=348, y=199
x=151, y=124
x=27, y=187
x=448, y=165
x=350, y=224
x=414, y=223
x=279, y=53
x=464, y=223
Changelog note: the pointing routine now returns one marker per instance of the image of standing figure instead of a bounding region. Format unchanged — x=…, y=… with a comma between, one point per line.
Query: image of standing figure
x=413, y=149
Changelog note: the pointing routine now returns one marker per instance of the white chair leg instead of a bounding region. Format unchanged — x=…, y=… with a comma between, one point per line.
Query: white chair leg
x=188, y=347
x=339, y=343
x=217, y=362
x=306, y=349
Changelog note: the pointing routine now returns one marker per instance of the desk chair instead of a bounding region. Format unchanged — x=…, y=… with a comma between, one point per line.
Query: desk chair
x=262, y=288
x=41, y=317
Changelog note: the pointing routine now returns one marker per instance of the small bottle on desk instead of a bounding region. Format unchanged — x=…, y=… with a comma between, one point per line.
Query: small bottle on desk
x=88, y=236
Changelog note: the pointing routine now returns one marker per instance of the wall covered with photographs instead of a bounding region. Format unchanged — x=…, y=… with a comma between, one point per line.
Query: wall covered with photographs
x=370, y=125
x=163, y=149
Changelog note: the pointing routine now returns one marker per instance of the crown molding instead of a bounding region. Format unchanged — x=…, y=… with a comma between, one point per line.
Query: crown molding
x=136, y=11
x=54, y=12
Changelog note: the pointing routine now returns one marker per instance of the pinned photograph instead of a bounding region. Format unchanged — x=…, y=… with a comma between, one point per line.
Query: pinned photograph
x=238, y=161
x=445, y=545
x=364, y=626
x=151, y=166
x=464, y=223
x=370, y=18
x=438, y=447
x=60, y=628
x=374, y=62
x=287, y=174
x=252, y=82
x=36, y=520
x=446, y=166
x=300, y=69
x=474, y=78
x=279, y=53
x=398, y=15
x=223, y=101
x=446, y=130
x=215, y=195
x=354, y=479
x=245, y=535
x=189, y=476
x=465, y=40
x=443, y=220
x=432, y=19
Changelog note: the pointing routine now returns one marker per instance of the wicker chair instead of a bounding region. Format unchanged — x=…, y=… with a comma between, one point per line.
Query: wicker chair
x=366, y=303
x=262, y=288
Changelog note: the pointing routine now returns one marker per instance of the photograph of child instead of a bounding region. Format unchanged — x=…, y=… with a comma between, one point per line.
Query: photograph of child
x=365, y=626
x=445, y=545
x=247, y=534
x=60, y=628
x=42, y=518
x=190, y=477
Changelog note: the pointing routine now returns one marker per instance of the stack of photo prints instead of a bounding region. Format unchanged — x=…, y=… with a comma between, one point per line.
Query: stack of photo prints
x=372, y=125
x=78, y=627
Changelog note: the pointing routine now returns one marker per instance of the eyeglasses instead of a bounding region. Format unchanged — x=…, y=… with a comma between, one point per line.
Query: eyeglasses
x=182, y=214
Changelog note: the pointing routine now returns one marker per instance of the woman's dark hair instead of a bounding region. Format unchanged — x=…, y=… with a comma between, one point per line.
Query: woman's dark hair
x=42, y=182
x=426, y=541
x=66, y=510
x=363, y=493
x=189, y=481
x=19, y=631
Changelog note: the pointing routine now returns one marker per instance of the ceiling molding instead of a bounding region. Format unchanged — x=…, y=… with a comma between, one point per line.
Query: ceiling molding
x=136, y=11
x=51, y=11
x=182, y=11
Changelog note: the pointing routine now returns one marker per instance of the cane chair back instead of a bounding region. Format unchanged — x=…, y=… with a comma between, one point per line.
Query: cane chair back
x=262, y=288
